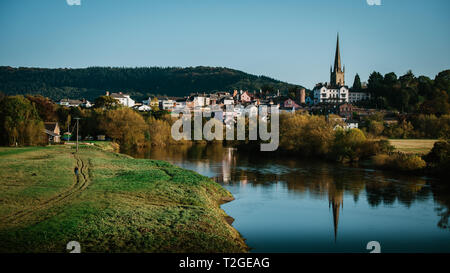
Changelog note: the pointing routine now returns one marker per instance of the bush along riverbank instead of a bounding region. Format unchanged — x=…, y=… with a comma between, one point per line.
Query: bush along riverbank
x=323, y=138
x=115, y=204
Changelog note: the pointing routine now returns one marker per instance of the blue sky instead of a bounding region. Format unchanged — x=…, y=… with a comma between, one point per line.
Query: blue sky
x=293, y=41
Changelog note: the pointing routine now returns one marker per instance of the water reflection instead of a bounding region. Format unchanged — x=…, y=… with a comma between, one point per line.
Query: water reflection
x=297, y=190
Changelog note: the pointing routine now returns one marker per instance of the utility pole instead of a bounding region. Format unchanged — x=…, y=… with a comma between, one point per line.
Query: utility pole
x=77, y=131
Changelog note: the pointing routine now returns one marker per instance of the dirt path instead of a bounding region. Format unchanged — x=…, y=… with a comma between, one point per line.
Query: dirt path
x=81, y=182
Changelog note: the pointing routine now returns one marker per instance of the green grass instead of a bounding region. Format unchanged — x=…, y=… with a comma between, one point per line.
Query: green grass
x=129, y=205
x=413, y=146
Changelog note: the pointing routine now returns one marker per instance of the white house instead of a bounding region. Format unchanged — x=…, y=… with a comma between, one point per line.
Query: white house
x=166, y=103
x=144, y=108
x=357, y=96
x=86, y=104
x=199, y=101
x=331, y=94
x=123, y=99
x=70, y=103
x=227, y=100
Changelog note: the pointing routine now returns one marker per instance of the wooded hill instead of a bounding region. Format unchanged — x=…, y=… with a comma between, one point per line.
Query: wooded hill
x=141, y=82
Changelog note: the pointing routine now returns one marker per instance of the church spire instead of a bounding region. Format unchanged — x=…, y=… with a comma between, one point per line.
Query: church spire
x=337, y=57
x=337, y=75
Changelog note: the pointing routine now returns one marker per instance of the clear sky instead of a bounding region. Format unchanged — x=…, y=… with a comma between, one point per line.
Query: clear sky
x=293, y=41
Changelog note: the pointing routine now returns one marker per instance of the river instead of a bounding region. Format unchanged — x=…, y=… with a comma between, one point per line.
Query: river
x=284, y=204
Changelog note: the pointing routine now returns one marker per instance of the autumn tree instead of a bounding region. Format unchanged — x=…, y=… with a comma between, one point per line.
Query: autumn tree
x=125, y=127
x=20, y=122
x=45, y=107
x=105, y=102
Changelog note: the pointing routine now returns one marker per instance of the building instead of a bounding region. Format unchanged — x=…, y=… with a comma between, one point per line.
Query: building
x=166, y=103
x=289, y=103
x=143, y=108
x=324, y=93
x=123, y=99
x=70, y=103
x=86, y=104
x=246, y=97
x=301, y=95
x=346, y=110
x=337, y=75
x=357, y=96
x=53, y=132
x=335, y=91
x=227, y=101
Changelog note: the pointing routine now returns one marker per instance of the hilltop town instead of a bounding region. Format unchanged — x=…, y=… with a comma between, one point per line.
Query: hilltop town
x=332, y=97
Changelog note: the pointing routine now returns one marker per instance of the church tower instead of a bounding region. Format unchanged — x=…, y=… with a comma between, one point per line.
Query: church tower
x=337, y=74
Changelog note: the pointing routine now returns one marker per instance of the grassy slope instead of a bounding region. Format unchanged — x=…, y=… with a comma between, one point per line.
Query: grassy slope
x=123, y=205
x=415, y=146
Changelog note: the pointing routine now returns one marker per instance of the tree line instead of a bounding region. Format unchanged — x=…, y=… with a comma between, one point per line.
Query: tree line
x=408, y=93
x=140, y=83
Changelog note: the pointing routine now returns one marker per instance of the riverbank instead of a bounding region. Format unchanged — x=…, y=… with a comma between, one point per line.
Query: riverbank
x=117, y=204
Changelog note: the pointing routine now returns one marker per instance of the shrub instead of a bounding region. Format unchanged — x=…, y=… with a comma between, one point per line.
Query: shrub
x=125, y=127
x=438, y=159
x=399, y=161
x=348, y=145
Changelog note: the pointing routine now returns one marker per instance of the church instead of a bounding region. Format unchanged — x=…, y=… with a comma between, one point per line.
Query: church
x=335, y=91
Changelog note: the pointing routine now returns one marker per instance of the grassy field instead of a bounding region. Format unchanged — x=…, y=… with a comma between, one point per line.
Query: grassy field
x=117, y=204
x=413, y=146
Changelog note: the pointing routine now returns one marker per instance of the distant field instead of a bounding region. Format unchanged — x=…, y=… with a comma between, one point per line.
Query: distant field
x=413, y=146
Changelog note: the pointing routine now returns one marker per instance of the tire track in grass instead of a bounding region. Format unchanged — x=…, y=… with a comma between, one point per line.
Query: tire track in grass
x=81, y=182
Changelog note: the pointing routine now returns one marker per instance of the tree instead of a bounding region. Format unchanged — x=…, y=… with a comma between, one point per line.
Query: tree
x=357, y=83
x=375, y=84
x=442, y=81
x=45, y=107
x=19, y=122
x=425, y=87
x=124, y=126
x=154, y=104
x=105, y=102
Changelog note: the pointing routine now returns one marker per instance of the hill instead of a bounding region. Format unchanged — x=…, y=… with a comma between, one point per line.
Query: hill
x=140, y=82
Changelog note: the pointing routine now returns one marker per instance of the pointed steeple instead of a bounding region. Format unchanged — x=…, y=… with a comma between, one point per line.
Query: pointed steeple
x=337, y=57
x=337, y=75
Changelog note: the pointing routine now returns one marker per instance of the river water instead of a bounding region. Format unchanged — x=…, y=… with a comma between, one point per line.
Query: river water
x=289, y=205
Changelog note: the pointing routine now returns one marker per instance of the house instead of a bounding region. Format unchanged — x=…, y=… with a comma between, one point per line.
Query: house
x=351, y=124
x=199, y=101
x=327, y=93
x=70, y=103
x=143, y=108
x=348, y=124
x=86, y=104
x=290, y=103
x=358, y=96
x=53, y=132
x=213, y=98
x=346, y=110
x=246, y=97
x=123, y=99
x=227, y=101
x=166, y=103
x=180, y=103
x=151, y=101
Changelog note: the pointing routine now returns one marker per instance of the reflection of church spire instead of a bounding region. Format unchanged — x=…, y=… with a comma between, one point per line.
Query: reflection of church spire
x=335, y=199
